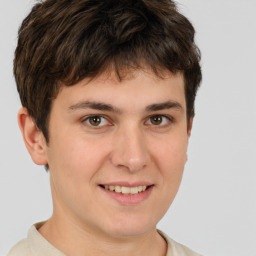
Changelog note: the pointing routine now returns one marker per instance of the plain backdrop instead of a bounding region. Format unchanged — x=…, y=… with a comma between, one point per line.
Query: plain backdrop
x=215, y=210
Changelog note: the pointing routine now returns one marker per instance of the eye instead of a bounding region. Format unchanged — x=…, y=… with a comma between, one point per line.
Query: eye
x=96, y=121
x=158, y=120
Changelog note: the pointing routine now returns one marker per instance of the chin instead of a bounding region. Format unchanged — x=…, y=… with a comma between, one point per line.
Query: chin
x=131, y=228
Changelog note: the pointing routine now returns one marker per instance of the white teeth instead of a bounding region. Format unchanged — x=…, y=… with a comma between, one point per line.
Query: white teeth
x=126, y=190
x=134, y=190
x=111, y=188
x=118, y=189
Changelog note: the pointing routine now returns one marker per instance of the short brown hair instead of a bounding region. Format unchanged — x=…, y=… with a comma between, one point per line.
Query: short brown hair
x=65, y=41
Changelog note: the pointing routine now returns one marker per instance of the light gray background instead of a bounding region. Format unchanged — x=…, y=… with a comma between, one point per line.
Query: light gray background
x=215, y=210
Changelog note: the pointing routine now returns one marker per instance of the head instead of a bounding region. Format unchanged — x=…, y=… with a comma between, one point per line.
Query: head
x=110, y=86
x=63, y=42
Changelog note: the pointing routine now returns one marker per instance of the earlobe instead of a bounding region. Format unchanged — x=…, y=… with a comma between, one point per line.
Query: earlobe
x=33, y=137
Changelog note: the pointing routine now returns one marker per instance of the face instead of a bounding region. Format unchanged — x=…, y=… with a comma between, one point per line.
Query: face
x=117, y=150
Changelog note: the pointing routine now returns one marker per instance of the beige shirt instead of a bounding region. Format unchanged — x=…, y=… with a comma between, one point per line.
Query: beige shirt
x=36, y=245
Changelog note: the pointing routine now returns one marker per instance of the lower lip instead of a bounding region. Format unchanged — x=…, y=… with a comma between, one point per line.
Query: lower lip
x=128, y=199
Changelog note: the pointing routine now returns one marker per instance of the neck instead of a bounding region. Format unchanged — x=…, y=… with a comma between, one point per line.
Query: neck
x=72, y=239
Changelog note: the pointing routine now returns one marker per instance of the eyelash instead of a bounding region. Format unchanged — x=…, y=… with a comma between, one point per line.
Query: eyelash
x=167, y=119
x=87, y=120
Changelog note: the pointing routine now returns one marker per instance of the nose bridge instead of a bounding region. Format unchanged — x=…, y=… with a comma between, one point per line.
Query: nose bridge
x=130, y=149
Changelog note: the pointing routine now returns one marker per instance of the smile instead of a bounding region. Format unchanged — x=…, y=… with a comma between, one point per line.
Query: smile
x=128, y=194
x=125, y=190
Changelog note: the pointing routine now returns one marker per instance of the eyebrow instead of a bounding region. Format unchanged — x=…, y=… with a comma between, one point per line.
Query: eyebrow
x=164, y=105
x=94, y=105
x=108, y=107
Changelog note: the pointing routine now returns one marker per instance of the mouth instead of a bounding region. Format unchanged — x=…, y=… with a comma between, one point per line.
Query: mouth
x=127, y=194
x=126, y=190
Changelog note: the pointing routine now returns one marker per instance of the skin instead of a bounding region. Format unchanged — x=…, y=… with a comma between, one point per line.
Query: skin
x=125, y=145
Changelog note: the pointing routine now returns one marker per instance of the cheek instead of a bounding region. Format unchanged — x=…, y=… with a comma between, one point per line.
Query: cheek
x=170, y=158
x=171, y=153
x=76, y=160
x=73, y=166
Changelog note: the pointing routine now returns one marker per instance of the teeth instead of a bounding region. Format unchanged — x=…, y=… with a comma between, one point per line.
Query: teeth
x=126, y=190
x=134, y=190
x=118, y=189
x=111, y=188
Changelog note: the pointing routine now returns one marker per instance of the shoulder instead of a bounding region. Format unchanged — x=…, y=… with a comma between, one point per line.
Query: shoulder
x=177, y=249
x=20, y=249
x=181, y=250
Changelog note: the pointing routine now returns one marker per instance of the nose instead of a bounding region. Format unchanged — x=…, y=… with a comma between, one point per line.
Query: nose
x=130, y=150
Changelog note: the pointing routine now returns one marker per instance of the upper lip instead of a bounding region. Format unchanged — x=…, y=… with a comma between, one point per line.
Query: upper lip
x=127, y=184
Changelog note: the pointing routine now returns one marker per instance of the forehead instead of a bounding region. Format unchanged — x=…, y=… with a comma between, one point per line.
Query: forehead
x=133, y=88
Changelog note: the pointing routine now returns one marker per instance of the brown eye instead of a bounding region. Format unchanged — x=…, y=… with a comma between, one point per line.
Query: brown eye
x=159, y=120
x=94, y=120
x=156, y=120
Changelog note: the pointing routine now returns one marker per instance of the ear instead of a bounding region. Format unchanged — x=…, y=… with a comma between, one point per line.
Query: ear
x=190, y=124
x=33, y=137
x=189, y=128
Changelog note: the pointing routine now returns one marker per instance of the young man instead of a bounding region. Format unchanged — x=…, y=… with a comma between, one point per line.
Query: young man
x=108, y=90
